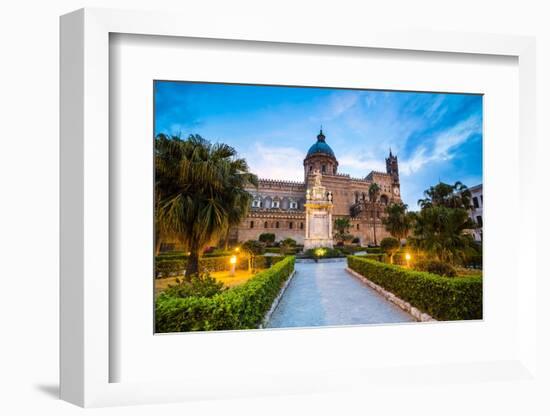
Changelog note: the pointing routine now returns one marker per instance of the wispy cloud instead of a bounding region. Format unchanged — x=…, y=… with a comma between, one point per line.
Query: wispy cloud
x=272, y=162
x=444, y=146
x=352, y=162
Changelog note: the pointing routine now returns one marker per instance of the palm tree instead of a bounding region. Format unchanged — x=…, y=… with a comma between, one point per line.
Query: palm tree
x=374, y=191
x=450, y=196
x=200, y=192
x=440, y=231
x=398, y=221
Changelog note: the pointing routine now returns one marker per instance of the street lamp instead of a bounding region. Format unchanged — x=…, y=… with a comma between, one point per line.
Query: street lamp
x=233, y=262
x=408, y=258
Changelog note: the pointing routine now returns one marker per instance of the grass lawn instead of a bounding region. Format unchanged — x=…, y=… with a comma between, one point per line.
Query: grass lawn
x=241, y=276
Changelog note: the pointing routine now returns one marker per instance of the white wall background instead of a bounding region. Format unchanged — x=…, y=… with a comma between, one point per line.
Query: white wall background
x=29, y=56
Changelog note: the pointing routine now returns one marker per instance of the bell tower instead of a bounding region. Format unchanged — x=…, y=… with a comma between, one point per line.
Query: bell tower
x=392, y=167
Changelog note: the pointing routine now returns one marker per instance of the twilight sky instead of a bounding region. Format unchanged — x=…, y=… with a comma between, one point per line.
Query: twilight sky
x=435, y=136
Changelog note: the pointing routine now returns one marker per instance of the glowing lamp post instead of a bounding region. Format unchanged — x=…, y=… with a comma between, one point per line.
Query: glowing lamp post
x=233, y=262
x=320, y=252
x=408, y=259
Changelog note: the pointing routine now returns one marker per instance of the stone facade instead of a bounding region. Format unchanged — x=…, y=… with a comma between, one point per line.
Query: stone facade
x=278, y=207
x=476, y=213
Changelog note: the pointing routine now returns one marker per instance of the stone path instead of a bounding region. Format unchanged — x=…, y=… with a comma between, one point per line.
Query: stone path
x=325, y=294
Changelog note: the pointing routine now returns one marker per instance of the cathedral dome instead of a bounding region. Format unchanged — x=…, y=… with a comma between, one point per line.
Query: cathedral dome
x=320, y=147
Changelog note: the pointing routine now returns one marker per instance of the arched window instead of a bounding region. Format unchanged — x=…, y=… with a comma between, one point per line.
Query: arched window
x=310, y=168
x=357, y=226
x=266, y=225
x=277, y=224
x=275, y=204
x=251, y=224
x=290, y=225
x=324, y=168
x=301, y=226
x=293, y=205
x=384, y=199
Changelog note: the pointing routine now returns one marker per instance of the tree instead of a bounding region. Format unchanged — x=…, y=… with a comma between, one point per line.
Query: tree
x=374, y=192
x=390, y=246
x=450, y=196
x=287, y=245
x=200, y=192
x=342, y=226
x=441, y=232
x=398, y=221
x=252, y=249
x=267, y=238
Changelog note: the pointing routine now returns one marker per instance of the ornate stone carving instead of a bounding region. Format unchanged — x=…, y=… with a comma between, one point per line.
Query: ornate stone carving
x=318, y=215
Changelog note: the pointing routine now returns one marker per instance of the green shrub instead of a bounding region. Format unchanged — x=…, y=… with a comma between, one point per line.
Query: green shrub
x=167, y=254
x=265, y=262
x=373, y=250
x=436, y=267
x=201, y=286
x=443, y=298
x=176, y=266
x=289, y=242
x=267, y=238
x=242, y=307
x=350, y=249
x=313, y=253
x=390, y=246
x=373, y=256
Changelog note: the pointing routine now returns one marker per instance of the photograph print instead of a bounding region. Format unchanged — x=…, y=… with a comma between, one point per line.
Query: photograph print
x=296, y=207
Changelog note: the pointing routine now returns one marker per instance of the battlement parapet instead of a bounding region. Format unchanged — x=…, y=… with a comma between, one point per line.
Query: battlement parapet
x=278, y=182
x=377, y=173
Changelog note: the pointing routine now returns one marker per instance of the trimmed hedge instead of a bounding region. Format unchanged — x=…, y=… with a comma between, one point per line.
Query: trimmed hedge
x=374, y=250
x=444, y=298
x=176, y=267
x=379, y=257
x=242, y=307
x=351, y=249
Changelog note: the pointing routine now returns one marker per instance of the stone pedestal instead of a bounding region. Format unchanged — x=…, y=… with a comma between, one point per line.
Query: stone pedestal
x=318, y=216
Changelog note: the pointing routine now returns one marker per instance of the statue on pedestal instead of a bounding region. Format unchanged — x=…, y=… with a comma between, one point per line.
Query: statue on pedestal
x=318, y=215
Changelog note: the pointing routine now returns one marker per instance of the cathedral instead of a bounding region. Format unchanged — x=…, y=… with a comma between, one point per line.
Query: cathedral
x=279, y=207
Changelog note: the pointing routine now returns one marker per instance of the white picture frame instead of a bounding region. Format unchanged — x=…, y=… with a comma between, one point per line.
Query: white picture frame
x=85, y=212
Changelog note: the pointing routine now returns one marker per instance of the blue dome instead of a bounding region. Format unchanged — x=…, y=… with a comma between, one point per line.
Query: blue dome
x=320, y=147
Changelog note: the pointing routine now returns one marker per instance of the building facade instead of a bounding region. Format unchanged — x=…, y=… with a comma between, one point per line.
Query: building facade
x=278, y=207
x=476, y=213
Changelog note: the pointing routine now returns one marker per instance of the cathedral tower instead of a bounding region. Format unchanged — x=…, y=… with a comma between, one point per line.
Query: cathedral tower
x=392, y=167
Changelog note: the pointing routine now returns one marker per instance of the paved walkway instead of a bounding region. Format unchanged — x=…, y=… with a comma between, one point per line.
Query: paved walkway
x=325, y=294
